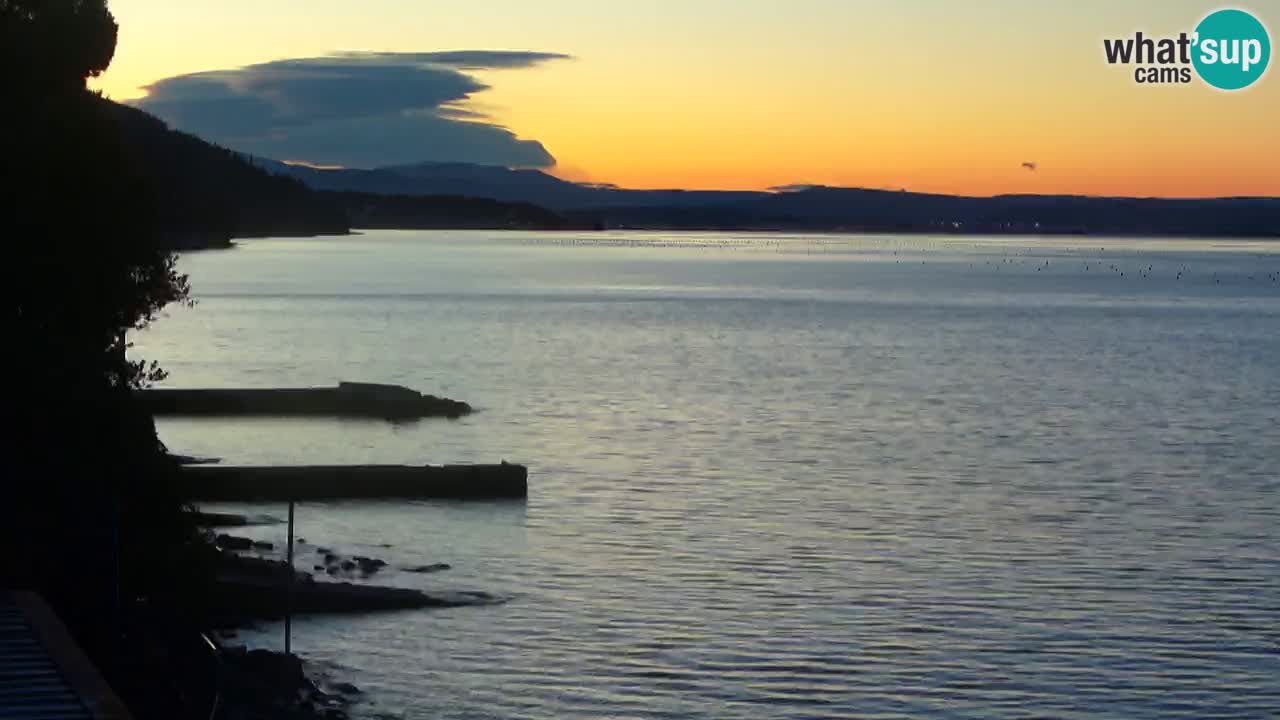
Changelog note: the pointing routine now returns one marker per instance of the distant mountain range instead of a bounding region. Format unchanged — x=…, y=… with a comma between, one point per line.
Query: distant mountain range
x=498, y=183
x=207, y=195
x=809, y=207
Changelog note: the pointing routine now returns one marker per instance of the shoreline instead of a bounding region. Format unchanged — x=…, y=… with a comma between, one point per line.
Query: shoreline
x=230, y=242
x=252, y=589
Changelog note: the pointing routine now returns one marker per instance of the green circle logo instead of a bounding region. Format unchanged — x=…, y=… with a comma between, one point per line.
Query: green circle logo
x=1232, y=49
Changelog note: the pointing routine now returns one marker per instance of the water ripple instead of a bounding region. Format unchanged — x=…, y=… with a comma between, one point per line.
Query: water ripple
x=791, y=480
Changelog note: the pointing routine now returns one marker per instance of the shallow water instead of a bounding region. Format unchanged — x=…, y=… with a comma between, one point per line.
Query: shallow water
x=783, y=475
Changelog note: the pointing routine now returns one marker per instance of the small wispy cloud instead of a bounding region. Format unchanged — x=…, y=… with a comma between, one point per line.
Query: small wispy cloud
x=794, y=187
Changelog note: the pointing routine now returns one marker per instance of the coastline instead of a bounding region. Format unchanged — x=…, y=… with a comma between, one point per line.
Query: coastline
x=197, y=245
x=251, y=587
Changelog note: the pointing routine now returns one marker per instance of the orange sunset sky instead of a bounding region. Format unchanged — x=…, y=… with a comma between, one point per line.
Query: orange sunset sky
x=926, y=95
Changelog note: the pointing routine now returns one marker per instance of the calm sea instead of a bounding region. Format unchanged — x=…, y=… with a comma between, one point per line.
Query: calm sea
x=782, y=476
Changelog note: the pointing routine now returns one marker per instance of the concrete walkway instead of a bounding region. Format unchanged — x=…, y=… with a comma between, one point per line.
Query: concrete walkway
x=43, y=673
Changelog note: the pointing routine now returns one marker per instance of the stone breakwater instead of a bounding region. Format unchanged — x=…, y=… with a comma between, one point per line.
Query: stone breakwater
x=347, y=399
x=330, y=482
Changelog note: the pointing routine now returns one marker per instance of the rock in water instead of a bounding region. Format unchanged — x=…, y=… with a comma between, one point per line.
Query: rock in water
x=232, y=542
x=433, y=567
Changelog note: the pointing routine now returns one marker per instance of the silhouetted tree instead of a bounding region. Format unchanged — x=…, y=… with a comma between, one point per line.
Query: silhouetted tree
x=56, y=42
x=91, y=516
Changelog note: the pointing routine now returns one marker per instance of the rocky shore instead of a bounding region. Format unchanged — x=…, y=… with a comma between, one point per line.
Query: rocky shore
x=253, y=585
x=267, y=685
x=248, y=588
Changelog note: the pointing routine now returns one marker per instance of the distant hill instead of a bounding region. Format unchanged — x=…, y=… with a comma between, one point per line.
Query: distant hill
x=208, y=194
x=205, y=194
x=811, y=208
x=1050, y=214
x=498, y=183
x=442, y=212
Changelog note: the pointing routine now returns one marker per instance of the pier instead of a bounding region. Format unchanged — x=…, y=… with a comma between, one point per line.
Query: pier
x=346, y=399
x=333, y=482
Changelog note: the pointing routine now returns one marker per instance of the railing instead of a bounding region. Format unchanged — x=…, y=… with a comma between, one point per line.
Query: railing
x=217, y=682
x=169, y=647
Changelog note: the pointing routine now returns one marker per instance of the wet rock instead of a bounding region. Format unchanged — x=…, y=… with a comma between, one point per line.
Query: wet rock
x=212, y=519
x=433, y=567
x=353, y=566
x=345, y=688
x=251, y=566
x=318, y=568
x=266, y=684
x=263, y=545
x=194, y=459
x=232, y=542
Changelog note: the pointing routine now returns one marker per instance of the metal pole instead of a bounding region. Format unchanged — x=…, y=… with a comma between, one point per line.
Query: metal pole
x=288, y=607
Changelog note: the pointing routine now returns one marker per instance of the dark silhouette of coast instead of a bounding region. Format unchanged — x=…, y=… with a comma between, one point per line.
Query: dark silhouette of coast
x=208, y=195
x=97, y=520
x=809, y=208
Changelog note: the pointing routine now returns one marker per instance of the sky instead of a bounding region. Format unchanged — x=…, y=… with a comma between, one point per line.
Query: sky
x=924, y=95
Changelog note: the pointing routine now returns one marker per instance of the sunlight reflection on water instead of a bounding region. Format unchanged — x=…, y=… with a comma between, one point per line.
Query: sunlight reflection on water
x=784, y=476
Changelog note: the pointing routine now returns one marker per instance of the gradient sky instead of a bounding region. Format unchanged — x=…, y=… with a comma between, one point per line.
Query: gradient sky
x=927, y=95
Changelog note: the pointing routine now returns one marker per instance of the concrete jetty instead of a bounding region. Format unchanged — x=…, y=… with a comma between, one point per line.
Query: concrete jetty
x=331, y=482
x=347, y=399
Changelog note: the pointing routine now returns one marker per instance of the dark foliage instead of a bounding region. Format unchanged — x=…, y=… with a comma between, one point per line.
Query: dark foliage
x=55, y=44
x=422, y=212
x=91, y=518
x=207, y=194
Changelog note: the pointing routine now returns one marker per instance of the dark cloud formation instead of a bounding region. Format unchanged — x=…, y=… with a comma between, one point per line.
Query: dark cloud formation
x=358, y=109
